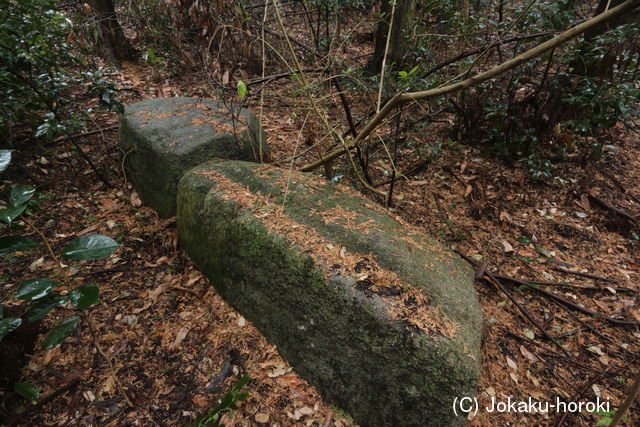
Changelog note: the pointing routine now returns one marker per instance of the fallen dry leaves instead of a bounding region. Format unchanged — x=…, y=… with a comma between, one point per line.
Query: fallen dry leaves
x=171, y=337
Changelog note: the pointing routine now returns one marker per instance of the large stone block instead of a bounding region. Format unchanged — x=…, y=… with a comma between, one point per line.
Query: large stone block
x=162, y=138
x=380, y=318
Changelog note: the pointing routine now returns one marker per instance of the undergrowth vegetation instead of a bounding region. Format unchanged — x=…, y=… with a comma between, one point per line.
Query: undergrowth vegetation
x=566, y=105
x=41, y=71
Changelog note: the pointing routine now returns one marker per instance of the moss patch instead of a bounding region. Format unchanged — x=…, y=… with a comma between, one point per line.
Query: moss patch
x=353, y=311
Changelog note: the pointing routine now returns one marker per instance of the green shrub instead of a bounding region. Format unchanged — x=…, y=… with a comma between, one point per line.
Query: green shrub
x=40, y=293
x=36, y=63
x=228, y=403
x=541, y=112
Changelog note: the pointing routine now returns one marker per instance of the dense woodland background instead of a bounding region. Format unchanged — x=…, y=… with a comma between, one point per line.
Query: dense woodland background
x=530, y=173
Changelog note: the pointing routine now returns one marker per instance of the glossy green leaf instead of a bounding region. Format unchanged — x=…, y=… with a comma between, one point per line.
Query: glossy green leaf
x=9, y=214
x=33, y=289
x=91, y=246
x=5, y=159
x=241, y=382
x=242, y=89
x=11, y=244
x=604, y=422
x=27, y=390
x=84, y=296
x=21, y=194
x=41, y=307
x=242, y=395
x=9, y=324
x=60, y=332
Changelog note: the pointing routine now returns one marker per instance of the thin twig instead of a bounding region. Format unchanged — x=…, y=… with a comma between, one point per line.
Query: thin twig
x=384, y=56
x=43, y=237
x=494, y=44
x=411, y=170
x=88, y=160
x=573, y=305
x=583, y=287
x=587, y=275
x=112, y=370
x=496, y=282
x=613, y=209
x=552, y=353
x=81, y=134
x=282, y=75
x=403, y=98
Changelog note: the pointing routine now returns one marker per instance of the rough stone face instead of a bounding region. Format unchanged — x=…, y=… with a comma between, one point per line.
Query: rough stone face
x=162, y=138
x=380, y=318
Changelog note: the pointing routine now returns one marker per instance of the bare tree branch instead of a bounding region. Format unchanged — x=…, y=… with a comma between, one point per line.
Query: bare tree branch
x=403, y=98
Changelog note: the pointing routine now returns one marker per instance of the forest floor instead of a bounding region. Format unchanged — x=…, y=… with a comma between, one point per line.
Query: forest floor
x=174, y=346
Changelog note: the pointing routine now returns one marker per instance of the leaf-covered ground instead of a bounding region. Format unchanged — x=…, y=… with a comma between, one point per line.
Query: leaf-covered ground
x=162, y=346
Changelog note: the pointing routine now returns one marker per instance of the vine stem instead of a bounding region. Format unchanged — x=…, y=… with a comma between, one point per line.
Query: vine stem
x=112, y=371
x=44, y=239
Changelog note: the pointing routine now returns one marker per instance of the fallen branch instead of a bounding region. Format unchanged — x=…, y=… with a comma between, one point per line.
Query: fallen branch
x=345, y=106
x=571, y=304
x=44, y=239
x=576, y=397
x=587, y=275
x=76, y=136
x=403, y=98
x=89, y=161
x=617, y=182
x=492, y=279
x=118, y=269
x=558, y=262
x=583, y=287
x=283, y=75
x=411, y=170
x=594, y=330
x=496, y=282
x=613, y=209
x=89, y=133
x=551, y=352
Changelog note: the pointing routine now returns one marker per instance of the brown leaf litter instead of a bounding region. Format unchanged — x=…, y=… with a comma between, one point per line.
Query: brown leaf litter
x=404, y=303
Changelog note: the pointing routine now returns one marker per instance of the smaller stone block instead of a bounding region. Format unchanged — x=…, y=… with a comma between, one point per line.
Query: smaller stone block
x=164, y=137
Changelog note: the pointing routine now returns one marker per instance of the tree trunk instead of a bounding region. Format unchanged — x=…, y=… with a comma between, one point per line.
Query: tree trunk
x=403, y=19
x=116, y=47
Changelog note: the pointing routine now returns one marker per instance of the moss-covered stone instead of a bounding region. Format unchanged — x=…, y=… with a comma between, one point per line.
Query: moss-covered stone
x=162, y=138
x=277, y=245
